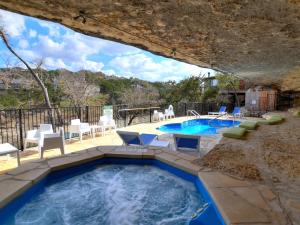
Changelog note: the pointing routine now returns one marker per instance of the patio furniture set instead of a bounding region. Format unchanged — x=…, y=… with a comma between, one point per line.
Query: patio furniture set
x=168, y=114
x=181, y=141
x=46, y=139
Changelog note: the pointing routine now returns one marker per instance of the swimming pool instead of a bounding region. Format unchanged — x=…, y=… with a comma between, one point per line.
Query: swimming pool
x=115, y=191
x=198, y=126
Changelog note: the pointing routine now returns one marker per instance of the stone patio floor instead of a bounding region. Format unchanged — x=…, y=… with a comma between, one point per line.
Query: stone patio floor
x=239, y=201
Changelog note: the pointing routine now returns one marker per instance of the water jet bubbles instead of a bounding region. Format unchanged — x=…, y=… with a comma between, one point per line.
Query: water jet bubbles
x=113, y=195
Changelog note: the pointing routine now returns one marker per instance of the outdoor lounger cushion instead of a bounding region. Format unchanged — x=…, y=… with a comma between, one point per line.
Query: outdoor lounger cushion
x=147, y=138
x=275, y=119
x=297, y=113
x=234, y=132
x=249, y=125
x=183, y=141
x=130, y=138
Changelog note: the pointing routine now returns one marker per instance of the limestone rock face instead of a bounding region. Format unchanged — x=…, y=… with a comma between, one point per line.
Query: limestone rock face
x=253, y=39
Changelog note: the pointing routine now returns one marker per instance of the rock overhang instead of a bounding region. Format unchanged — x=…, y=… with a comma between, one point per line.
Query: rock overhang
x=258, y=40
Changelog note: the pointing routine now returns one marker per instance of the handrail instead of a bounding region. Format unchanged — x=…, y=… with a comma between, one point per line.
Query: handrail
x=193, y=113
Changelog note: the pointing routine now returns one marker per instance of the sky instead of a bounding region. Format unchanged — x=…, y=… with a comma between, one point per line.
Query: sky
x=62, y=48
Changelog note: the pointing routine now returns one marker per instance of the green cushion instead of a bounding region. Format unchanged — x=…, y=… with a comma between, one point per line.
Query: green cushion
x=249, y=125
x=234, y=132
x=275, y=119
x=263, y=122
x=297, y=113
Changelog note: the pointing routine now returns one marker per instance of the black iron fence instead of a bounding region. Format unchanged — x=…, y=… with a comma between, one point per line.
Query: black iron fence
x=14, y=123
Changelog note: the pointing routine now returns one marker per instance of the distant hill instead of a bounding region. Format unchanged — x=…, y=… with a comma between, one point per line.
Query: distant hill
x=18, y=87
x=16, y=78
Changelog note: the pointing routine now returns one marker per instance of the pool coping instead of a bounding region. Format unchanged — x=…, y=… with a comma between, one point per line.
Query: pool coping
x=251, y=202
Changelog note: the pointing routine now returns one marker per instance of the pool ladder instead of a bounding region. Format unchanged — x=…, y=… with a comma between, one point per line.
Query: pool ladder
x=193, y=113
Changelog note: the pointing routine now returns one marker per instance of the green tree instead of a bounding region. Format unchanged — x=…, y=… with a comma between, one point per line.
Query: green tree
x=210, y=94
x=229, y=82
x=188, y=90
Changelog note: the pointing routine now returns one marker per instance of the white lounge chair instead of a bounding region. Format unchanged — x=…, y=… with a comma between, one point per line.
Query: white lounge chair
x=37, y=136
x=79, y=128
x=107, y=123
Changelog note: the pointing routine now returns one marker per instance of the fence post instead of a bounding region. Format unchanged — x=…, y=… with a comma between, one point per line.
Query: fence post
x=87, y=113
x=79, y=111
x=125, y=119
x=53, y=117
x=21, y=129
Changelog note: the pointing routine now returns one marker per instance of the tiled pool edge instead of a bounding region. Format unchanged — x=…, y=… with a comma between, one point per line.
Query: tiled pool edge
x=224, y=190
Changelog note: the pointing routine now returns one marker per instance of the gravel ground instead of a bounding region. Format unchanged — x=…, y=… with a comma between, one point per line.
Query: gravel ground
x=269, y=155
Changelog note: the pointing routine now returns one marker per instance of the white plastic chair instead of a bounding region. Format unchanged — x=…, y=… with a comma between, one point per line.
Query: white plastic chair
x=107, y=123
x=79, y=128
x=171, y=111
x=167, y=114
x=55, y=140
x=158, y=116
x=37, y=136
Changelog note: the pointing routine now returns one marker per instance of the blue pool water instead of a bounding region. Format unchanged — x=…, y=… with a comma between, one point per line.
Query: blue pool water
x=198, y=126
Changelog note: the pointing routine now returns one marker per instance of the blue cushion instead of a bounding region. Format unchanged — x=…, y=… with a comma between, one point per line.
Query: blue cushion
x=147, y=138
x=130, y=139
x=182, y=142
x=222, y=109
x=236, y=110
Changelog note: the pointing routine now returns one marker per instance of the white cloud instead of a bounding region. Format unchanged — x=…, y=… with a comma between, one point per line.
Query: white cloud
x=109, y=72
x=53, y=28
x=32, y=33
x=70, y=52
x=87, y=65
x=51, y=63
x=23, y=44
x=14, y=24
x=144, y=67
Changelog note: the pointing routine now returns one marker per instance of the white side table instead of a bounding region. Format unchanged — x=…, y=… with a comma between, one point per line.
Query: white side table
x=7, y=148
x=96, y=128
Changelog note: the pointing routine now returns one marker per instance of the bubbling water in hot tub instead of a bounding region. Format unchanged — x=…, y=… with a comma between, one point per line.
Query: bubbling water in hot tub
x=114, y=195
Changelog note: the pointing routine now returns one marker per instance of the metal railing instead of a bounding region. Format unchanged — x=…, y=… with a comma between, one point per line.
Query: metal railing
x=14, y=123
x=193, y=113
